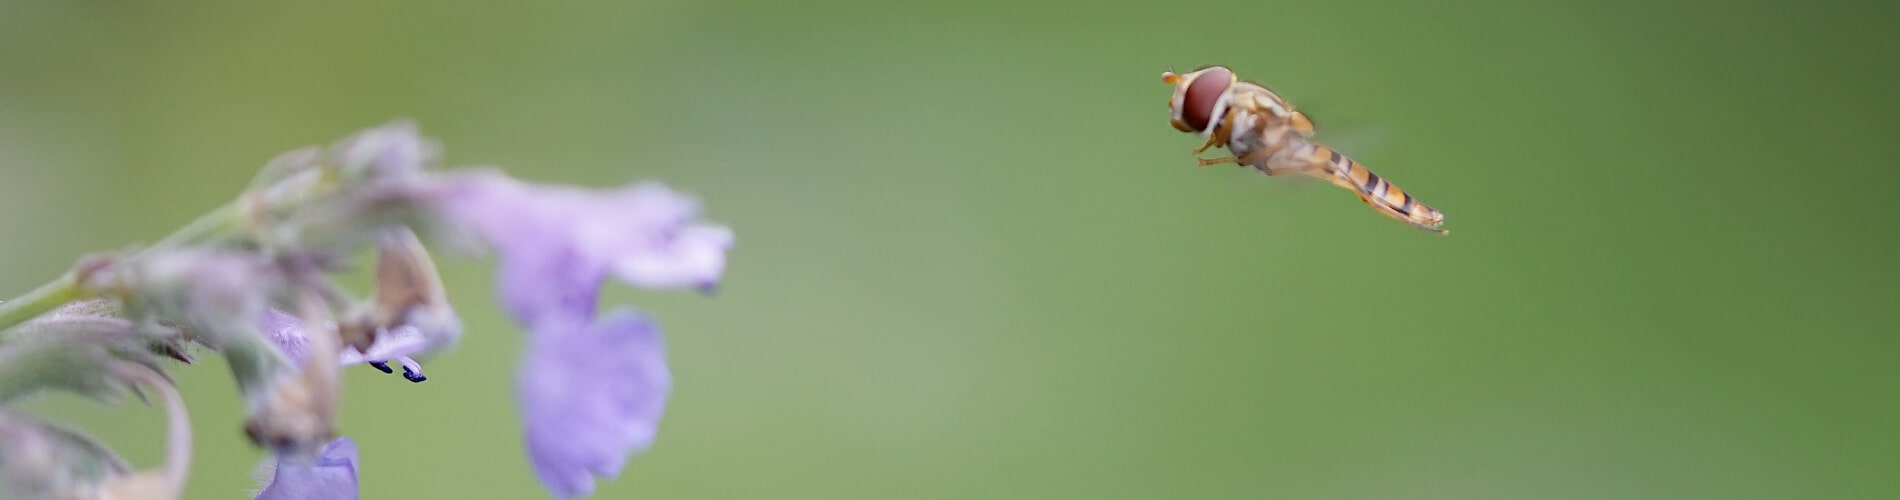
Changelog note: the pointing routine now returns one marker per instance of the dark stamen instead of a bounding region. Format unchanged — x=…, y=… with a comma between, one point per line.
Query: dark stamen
x=384, y=366
x=413, y=375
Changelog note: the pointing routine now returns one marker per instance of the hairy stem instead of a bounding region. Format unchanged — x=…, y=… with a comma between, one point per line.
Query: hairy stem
x=45, y=298
x=219, y=222
x=223, y=220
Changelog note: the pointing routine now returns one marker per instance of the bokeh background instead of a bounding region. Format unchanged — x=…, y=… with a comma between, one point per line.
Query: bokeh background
x=975, y=262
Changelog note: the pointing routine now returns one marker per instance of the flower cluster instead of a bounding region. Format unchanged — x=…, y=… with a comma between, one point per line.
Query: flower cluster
x=252, y=282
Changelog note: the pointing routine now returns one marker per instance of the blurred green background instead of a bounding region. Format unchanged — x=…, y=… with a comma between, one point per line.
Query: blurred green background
x=974, y=261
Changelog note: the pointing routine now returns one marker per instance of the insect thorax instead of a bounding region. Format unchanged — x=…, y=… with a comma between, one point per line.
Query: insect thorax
x=1259, y=130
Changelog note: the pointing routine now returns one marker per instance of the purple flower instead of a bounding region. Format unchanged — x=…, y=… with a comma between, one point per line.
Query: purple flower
x=591, y=397
x=557, y=243
x=591, y=392
x=287, y=333
x=330, y=476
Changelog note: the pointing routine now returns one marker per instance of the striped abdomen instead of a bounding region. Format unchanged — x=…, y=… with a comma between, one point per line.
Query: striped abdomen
x=1380, y=193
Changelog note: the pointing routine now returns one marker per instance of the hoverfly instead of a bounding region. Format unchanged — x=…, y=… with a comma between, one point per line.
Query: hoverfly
x=1263, y=131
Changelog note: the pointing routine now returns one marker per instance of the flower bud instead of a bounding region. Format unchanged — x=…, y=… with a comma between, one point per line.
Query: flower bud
x=393, y=149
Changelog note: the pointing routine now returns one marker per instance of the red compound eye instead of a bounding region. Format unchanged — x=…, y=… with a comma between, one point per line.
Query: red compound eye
x=1202, y=94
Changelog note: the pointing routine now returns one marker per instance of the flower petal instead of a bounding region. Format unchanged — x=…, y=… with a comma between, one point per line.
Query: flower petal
x=592, y=397
x=695, y=258
x=548, y=288
x=332, y=476
x=557, y=243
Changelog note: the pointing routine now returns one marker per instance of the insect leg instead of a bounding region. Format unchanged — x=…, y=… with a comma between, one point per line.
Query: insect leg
x=1272, y=170
x=1218, y=138
x=1217, y=161
x=1211, y=141
x=1258, y=158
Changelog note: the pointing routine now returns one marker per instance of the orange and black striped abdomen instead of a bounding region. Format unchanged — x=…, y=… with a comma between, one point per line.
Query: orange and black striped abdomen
x=1380, y=193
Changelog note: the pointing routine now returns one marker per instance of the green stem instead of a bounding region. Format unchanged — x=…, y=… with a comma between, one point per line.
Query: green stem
x=219, y=222
x=42, y=299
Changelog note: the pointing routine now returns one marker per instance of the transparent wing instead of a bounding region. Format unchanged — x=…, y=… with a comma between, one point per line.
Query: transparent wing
x=1356, y=141
x=1345, y=130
